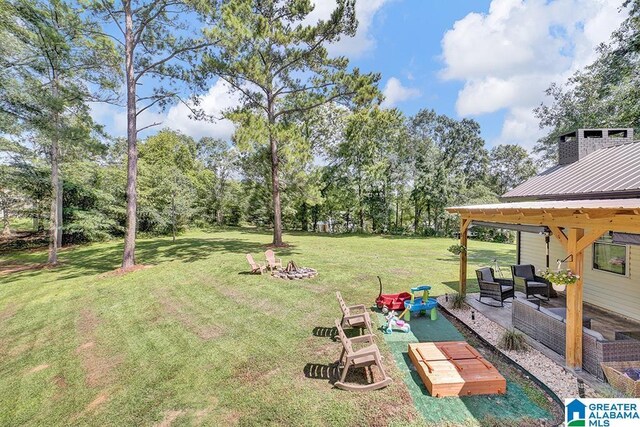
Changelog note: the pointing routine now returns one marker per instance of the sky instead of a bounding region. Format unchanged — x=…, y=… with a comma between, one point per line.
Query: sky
x=490, y=60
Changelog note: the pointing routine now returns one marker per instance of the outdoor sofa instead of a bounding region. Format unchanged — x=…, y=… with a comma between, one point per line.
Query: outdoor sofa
x=549, y=328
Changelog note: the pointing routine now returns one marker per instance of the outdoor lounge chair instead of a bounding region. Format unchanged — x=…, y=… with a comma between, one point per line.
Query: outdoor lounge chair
x=354, y=316
x=255, y=267
x=525, y=276
x=272, y=262
x=490, y=287
x=366, y=356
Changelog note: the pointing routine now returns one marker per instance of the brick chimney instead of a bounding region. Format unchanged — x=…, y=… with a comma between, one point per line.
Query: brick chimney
x=573, y=146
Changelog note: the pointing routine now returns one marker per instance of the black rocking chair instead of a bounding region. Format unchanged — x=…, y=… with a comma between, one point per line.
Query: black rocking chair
x=525, y=276
x=490, y=287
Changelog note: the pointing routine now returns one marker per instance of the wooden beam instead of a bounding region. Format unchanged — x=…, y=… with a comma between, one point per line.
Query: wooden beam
x=589, y=238
x=464, y=226
x=573, y=351
x=617, y=222
x=558, y=234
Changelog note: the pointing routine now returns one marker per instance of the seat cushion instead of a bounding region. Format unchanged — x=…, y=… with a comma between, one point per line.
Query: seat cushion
x=486, y=275
x=506, y=288
x=537, y=285
x=595, y=334
x=551, y=314
x=526, y=271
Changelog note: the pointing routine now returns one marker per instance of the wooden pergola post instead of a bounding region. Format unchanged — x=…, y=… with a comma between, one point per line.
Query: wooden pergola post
x=464, y=226
x=572, y=216
x=573, y=351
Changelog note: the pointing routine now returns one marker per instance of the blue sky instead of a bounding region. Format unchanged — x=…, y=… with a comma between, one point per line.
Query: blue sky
x=490, y=60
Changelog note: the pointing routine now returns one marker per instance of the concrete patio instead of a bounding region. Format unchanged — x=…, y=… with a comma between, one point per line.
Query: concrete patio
x=602, y=321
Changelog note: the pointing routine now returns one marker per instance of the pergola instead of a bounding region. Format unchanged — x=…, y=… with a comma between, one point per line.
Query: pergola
x=576, y=224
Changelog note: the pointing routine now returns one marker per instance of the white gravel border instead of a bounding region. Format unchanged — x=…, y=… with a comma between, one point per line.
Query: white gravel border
x=556, y=377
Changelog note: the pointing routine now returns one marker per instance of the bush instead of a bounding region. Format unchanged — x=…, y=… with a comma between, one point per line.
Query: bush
x=458, y=301
x=512, y=340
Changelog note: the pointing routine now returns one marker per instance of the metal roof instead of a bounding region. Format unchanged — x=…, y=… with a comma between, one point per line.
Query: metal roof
x=608, y=172
x=550, y=205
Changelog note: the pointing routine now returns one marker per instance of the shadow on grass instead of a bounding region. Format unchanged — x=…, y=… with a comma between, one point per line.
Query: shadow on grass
x=472, y=286
x=331, y=373
x=323, y=331
x=101, y=258
x=318, y=371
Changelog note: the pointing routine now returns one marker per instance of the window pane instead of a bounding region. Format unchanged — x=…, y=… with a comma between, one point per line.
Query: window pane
x=608, y=257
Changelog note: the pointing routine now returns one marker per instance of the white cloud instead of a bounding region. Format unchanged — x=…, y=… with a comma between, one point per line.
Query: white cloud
x=508, y=56
x=218, y=99
x=363, y=41
x=394, y=93
x=520, y=126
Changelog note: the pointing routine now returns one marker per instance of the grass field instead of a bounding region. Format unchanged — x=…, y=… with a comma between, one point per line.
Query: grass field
x=193, y=339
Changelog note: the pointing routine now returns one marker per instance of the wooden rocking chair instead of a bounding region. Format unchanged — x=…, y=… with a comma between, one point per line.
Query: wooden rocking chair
x=272, y=262
x=351, y=319
x=255, y=267
x=367, y=356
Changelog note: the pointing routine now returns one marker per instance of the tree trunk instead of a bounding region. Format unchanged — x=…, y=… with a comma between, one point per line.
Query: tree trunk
x=397, y=212
x=59, y=200
x=173, y=215
x=6, y=229
x=56, y=196
x=219, y=202
x=304, y=219
x=275, y=179
x=314, y=217
x=53, y=218
x=128, y=258
x=360, y=207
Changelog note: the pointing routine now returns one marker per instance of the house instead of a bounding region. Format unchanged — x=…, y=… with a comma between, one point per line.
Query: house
x=592, y=166
x=576, y=410
x=584, y=211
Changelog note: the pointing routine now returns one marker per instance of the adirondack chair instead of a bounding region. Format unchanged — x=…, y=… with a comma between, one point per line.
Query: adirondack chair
x=354, y=316
x=255, y=267
x=272, y=262
x=366, y=356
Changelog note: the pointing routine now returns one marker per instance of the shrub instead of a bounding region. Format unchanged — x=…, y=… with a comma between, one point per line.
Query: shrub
x=512, y=340
x=458, y=301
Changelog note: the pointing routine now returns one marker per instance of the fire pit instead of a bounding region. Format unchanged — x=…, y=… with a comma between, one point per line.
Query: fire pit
x=292, y=271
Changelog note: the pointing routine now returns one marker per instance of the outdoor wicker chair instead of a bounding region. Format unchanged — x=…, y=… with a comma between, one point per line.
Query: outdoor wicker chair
x=364, y=357
x=525, y=276
x=490, y=287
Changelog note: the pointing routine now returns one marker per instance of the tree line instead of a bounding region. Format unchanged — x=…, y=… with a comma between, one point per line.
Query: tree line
x=312, y=147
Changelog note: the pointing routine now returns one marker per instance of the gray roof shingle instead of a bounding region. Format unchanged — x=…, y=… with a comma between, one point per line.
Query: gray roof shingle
x=608, y=172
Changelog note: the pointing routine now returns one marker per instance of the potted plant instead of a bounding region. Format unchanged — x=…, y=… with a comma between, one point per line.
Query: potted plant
x=457, y=249
x=560, y=279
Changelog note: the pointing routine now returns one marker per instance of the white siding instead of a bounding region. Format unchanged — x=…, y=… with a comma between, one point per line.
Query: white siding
x=607, y=290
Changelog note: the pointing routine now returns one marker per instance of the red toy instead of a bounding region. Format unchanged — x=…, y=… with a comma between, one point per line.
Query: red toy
x=392, y=301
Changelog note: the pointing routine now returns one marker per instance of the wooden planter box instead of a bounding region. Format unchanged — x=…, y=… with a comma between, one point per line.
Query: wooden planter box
x=614, y=371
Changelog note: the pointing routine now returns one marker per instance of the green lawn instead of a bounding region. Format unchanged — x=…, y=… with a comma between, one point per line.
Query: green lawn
x=194, y=340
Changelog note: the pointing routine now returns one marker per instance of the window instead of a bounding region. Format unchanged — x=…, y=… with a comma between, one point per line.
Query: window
x=610, y=257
